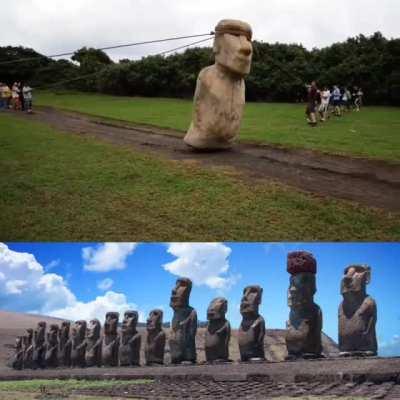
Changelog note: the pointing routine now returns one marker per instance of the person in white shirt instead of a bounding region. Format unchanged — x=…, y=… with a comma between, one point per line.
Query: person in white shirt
x=323, y=107
x=27, y=91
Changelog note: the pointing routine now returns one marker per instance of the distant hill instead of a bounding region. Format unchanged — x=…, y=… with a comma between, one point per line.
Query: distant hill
x=15, y=324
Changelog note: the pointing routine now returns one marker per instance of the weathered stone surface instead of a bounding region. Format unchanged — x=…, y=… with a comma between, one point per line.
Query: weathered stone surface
x=110, y=342
x=184, y=324
x=218, y=331
x=38, y=356
x=252, y=328
x=129, y=341
x=78, y=344
x=303, y=336
x=64, y=345
x=17, y=360
x=357, y=314
x=220, y=90
x=51, y=358
x=155, y=340
x=27, y=341
x=93, y=344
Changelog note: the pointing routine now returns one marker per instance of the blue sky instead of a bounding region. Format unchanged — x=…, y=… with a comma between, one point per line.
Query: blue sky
x=142, y=275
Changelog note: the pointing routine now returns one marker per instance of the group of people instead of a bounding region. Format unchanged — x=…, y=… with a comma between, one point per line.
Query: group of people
x=322, y=103
x=19, y=97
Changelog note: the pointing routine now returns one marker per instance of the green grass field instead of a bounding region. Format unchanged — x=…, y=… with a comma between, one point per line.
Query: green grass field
x=62, y=187
x=371, y=133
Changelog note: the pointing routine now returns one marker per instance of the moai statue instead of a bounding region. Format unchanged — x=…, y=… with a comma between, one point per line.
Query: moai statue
x=218, y=331
x=17, y=359
x=252, y=328
x=182, y=341
x=39, y=338
x=220, y=90
x=93, y=344
x=109, y=345
x=155, y=340
x=357, y=314
x=129, y=340
x=64, y=345
x=51, y=356
x=303, y=334
x=78, y=344
x=27, y=341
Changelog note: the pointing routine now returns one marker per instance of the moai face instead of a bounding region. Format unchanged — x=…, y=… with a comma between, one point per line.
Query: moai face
x=251, y=300
x=232, y=46
x=355, y=280
x=78, y=330
x=64, y=331
x=130, y=321
x=18, y=343
x=301, y=290
x=217, y=309
x=93, y=329
x=154, y=322
x=180, y=294
x=39, y=334
x=111, y=323
x=52, y=335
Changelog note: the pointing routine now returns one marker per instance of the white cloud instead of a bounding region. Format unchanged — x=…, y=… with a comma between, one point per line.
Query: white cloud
x=107, y=257
x=204, y=263
x=52, y=264
x=391, y=348
x=105, y=284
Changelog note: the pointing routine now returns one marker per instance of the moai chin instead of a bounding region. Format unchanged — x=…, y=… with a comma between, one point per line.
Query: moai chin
x=357, y=314
x=78, y=333
x=252, y=328
x=303, y=334
x=93, y=344
x=64, y=345
x=182, y=342
x=129, y=340
x=27, y=341
x=17, y=359
x=39, y=339
x=51, y=358
x=220, y=90
x=109, y=346
x=155, y=340
x=218, y=331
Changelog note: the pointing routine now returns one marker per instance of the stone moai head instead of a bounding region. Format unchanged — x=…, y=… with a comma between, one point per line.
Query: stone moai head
x=355, y=280
x=251, y=300
x=93, y=329
x=302, y=266
x=155, y=320
x=39, y=335
x=232, y=46
x=52, y=335
x=29, y=335
x=129, y=322
x=180, y=294
x=111, y=323
x=78, y=330
x=63, y=332
x=217, y=309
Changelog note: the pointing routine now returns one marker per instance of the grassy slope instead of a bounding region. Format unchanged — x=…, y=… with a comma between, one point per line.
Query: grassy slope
x=59, y=187
x=372, y=133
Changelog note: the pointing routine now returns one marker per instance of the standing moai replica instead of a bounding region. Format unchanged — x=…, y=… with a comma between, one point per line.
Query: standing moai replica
x=357, y=314
x=219, y=97
x=64, y=345
x=129, y=341
x=109, y=346
x=218, y=332
x=303, y=335
x=252, y=328
x=51, y=356
x=182, y=342
x=27, y=341
x=17, y=359
x=78, y=333
x=39, y=338
x=93, y=344
x=155, y=340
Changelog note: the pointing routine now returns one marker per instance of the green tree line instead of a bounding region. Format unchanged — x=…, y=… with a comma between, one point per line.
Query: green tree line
x=279, y=71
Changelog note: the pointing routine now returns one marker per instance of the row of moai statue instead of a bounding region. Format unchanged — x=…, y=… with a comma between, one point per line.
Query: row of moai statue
x=86, y=347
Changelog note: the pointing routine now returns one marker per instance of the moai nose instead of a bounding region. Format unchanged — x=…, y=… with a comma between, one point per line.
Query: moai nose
x=245, y=47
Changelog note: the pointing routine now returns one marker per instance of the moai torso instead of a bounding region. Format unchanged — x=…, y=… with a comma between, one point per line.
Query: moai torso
x=38, y=356
x=93, y=344
x=155, y=340
x=17, y=359
x=357, y=314
x=218, y=331
x=51, y=358
x=252, y=328
x=182, y=340
x=28, y=348
x=78, y=344
x=129, y=340
x=64, y=345
x=109, y=345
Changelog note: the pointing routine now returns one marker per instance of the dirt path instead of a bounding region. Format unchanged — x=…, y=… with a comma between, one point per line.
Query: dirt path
x=369, y=182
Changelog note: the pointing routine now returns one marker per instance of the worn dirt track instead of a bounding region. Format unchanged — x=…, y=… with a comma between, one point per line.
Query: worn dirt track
x=369, y=182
